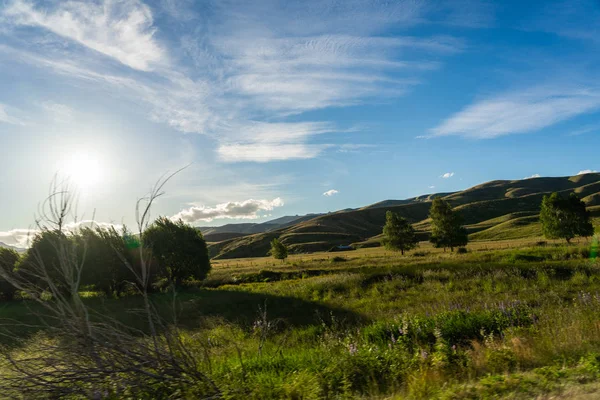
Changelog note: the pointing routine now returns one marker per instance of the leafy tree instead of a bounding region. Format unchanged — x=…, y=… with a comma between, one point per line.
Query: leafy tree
x=398, y=233
x=50, y=258
x=179, y=249
x=8, y=261
x=278, y=250
x=565, y=218
x=105, y=254
x=446, y=226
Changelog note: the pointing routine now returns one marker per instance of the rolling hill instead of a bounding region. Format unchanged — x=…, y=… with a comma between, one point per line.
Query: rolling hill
x=494, y=210
x=232, y=231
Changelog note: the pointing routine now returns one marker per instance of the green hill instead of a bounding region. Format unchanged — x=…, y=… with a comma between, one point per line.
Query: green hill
x=491, y=211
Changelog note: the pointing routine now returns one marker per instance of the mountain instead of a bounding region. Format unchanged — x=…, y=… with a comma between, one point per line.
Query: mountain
x=501, y=209
x=231, y=231
x=7, y=246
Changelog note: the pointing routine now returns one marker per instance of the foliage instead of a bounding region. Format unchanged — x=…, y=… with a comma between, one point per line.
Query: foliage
x=105, y=255
x=446, y=226
x=565, y=218
x=179, y=248
x=398, y=233
x=278, y=250
x=49, y=258
x=8, y=261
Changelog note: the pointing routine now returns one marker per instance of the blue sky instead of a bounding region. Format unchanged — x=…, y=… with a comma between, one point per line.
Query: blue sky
x=285, y=107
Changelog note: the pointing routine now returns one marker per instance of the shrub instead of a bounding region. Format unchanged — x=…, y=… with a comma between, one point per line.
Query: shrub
x=337, y=259
x=106, y=254
x=179, y=249
x=462, y=250
x=278, y=250
x=8, y=262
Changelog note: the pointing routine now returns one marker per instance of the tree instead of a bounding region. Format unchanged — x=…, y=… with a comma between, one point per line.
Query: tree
x=446, y=226
x=565, y=218
x=104, y=253
x=398, y=233
x=278, y=250
x=179, y=249
x=8, y=261
x=51, y=262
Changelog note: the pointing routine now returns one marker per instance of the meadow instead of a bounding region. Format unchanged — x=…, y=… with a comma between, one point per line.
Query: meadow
x=507, y=319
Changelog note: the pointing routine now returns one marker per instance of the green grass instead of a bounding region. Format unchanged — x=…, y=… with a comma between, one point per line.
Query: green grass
x=493, y=323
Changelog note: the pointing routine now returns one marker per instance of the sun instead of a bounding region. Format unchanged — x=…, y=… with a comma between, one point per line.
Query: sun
x=84, y=169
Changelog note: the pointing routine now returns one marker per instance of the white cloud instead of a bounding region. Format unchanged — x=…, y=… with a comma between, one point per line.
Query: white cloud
x=59, y=112
x=7, y=118
x=122, y=30
x=585, y=129
x=252, y=62
x=330, y=192
x=520, y=112
x=21, y=238
x=586, y=171
x=17, y=237
x=248, y=209
x=447, y=175
x=431, y=187
x=533, y=176
x=268, y=152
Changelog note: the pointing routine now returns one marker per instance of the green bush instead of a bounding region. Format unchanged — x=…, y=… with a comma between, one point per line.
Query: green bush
x=179, y=249
x=8, y=262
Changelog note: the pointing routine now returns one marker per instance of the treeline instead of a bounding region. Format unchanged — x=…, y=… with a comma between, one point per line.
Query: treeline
x=110, y=259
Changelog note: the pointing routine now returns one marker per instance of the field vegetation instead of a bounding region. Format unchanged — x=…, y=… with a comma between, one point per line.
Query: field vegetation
x=102, y=314
x=491, y=323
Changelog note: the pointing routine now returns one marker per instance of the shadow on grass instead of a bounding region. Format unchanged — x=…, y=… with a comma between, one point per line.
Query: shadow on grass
x=21, y=319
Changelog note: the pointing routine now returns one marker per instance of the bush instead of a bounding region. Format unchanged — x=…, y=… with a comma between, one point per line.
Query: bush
x=179, y=249
x=8, y=262
x=105, y=252
x=462, y=250
x=337, y=259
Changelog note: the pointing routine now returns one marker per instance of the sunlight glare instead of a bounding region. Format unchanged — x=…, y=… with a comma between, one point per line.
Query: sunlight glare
x=84, y=169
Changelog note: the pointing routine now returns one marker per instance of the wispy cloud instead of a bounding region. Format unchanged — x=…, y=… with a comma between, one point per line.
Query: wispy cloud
x=431, y=187
x=253, y=66
x=586, y=171
x=6, y=117
x=330, y=193
x=533, y=176
x=585, y=129
x=447, y=175
x=248, y=209
x=122, y=30
x=58, y=112
x=520, y=112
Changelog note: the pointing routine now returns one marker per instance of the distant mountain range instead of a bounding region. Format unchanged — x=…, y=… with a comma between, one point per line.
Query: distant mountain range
x=7, y=246
x=230, y=231
x=502, y=209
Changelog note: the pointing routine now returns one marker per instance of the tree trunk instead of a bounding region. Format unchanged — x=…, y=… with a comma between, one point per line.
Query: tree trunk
x=402, y=251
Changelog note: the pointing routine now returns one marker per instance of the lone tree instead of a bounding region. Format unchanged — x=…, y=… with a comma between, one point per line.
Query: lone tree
x=179, y=249
x=398, y=233
x=278, y=250
x=565, y=218
x=446, y=226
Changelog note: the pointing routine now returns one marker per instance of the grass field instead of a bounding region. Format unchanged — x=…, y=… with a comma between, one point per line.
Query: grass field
x=509, y=319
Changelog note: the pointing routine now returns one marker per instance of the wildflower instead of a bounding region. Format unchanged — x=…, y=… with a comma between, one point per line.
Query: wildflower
x=393, y=339
x=352, y=349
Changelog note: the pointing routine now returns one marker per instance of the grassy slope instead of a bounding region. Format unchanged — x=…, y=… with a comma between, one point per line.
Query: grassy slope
x=484, y=207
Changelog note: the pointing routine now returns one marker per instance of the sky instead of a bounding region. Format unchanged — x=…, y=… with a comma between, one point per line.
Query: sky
x=287, y=107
